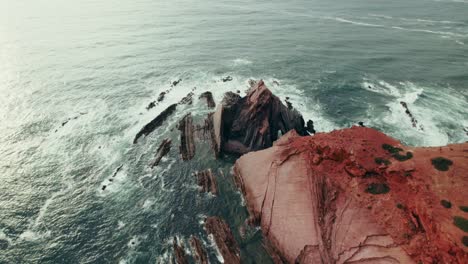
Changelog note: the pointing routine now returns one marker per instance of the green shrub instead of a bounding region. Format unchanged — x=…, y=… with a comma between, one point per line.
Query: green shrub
x=391, y=148
x=400, y=157
x=464, y=208
x=446, y=204
x=441, y=163
x=465, y=241
x=461, y=223
x=378, y=188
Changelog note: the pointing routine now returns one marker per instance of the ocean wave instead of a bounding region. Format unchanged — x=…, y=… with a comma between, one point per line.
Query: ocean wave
x=241, y=62
x=339, y=19
x=416, y=19
x=444, y=33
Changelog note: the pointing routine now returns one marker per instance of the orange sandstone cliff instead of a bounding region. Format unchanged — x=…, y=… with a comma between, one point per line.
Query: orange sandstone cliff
x=358, y=196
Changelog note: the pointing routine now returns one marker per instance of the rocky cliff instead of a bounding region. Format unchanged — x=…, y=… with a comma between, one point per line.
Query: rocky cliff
x=358, y=196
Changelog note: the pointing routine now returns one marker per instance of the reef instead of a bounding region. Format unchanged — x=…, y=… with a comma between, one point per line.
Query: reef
x=207, y=181
x=222, y=235
x=155, y=123
x=162, y=151
x=208, y=97
x=187, y=144
x=325, y=199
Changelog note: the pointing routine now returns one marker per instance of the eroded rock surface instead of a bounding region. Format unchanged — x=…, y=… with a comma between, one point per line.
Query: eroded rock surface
x=208, y=96
x=207, y=181
x=224, y=239
x=199, y=252
x=155, y=123
x=187, y=144
x=162, y=151
x=357, y=196
x=253, y=122
x=179, y=253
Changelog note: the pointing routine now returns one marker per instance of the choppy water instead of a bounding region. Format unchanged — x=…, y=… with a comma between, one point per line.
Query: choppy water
x=103, y=61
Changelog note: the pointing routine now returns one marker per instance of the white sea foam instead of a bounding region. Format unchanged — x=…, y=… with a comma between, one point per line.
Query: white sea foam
x=241, y=62
x=339, y=19
x=215, y=247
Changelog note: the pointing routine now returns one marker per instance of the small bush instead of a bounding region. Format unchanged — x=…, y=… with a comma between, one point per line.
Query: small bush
x=465, y=241
x=378, y=188
x=441, y=163
x=400, y=157
x=464, y=208
x=391, y=148
x=446, y=204
x=461, y=223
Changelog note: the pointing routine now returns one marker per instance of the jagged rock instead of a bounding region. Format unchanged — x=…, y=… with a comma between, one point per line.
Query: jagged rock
x=162, y=151
x=188, y=99
x=175, y=83
x=155, y=123
x=224, y=239
x=227, y=79
x=187, y=144
x=414, y=122
x=208, y=96
x=207, y=181
x=151, y=105
x=310, y=127
x=179, y=253
x=199, y=252
x=161, y=96
x=254, y=121
x=360, y=123
x=330, y=199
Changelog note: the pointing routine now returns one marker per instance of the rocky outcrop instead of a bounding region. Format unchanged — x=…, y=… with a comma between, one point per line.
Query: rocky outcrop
x=155, y=123
x=206, y=181
x=208, y=97
x=187, y=144
x=199, y=252
x=358, y=196
x=162, y=151
x=253, y=122
x=224, y=239
x=414, y=122
x=179, y=253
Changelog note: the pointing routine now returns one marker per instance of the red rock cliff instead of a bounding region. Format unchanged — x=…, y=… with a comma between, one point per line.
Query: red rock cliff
x=358, y=196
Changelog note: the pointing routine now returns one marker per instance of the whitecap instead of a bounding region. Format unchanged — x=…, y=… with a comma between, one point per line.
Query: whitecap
x=241, y=62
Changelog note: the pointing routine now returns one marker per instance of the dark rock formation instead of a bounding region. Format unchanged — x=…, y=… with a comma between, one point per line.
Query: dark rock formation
x=179, y=253
x=187, y=144
x=254, y=121
x=326, y=199
x=155, y=123
x=360, y=123
x=224, y=239
x=227, y=79
x=206, y=181
x=175, y=83
x=162, y=151
x=310, y=127
x=161, y=96
x=414, y=122
x=199, y=252
x=208, y=96
x=151, y=105
x=188, y=99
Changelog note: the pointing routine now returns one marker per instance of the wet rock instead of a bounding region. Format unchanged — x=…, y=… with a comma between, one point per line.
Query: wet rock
x=253, y=122
x=324, y=199
x=187, y=144
x=207, y=181
x=224, y=239
x=162, y=151
x=310, y=127
x=188, y=99
x=179, y=252
x=414, y=122
x=151, y=105
x=161, y=96
x=175, y=83
x=227, y=79
x=208, y=96
x=155, y=123
x=361, y=124
x=275, y=82
x=199, y=252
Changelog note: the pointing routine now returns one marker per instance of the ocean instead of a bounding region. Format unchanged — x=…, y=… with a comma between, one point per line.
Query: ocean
x=76, y=77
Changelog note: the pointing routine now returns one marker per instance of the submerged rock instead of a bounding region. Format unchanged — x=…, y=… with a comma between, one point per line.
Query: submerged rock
x=162, y=151
x=175, y=83
x=155, y=123
x=253, y=122
x=207, y=181
x=187, y=144
x=199, y=253
x=188, y=99
x=208, y=96
x=227, y=79
x=414, y=122
x=325, y=199
x=224, y=239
